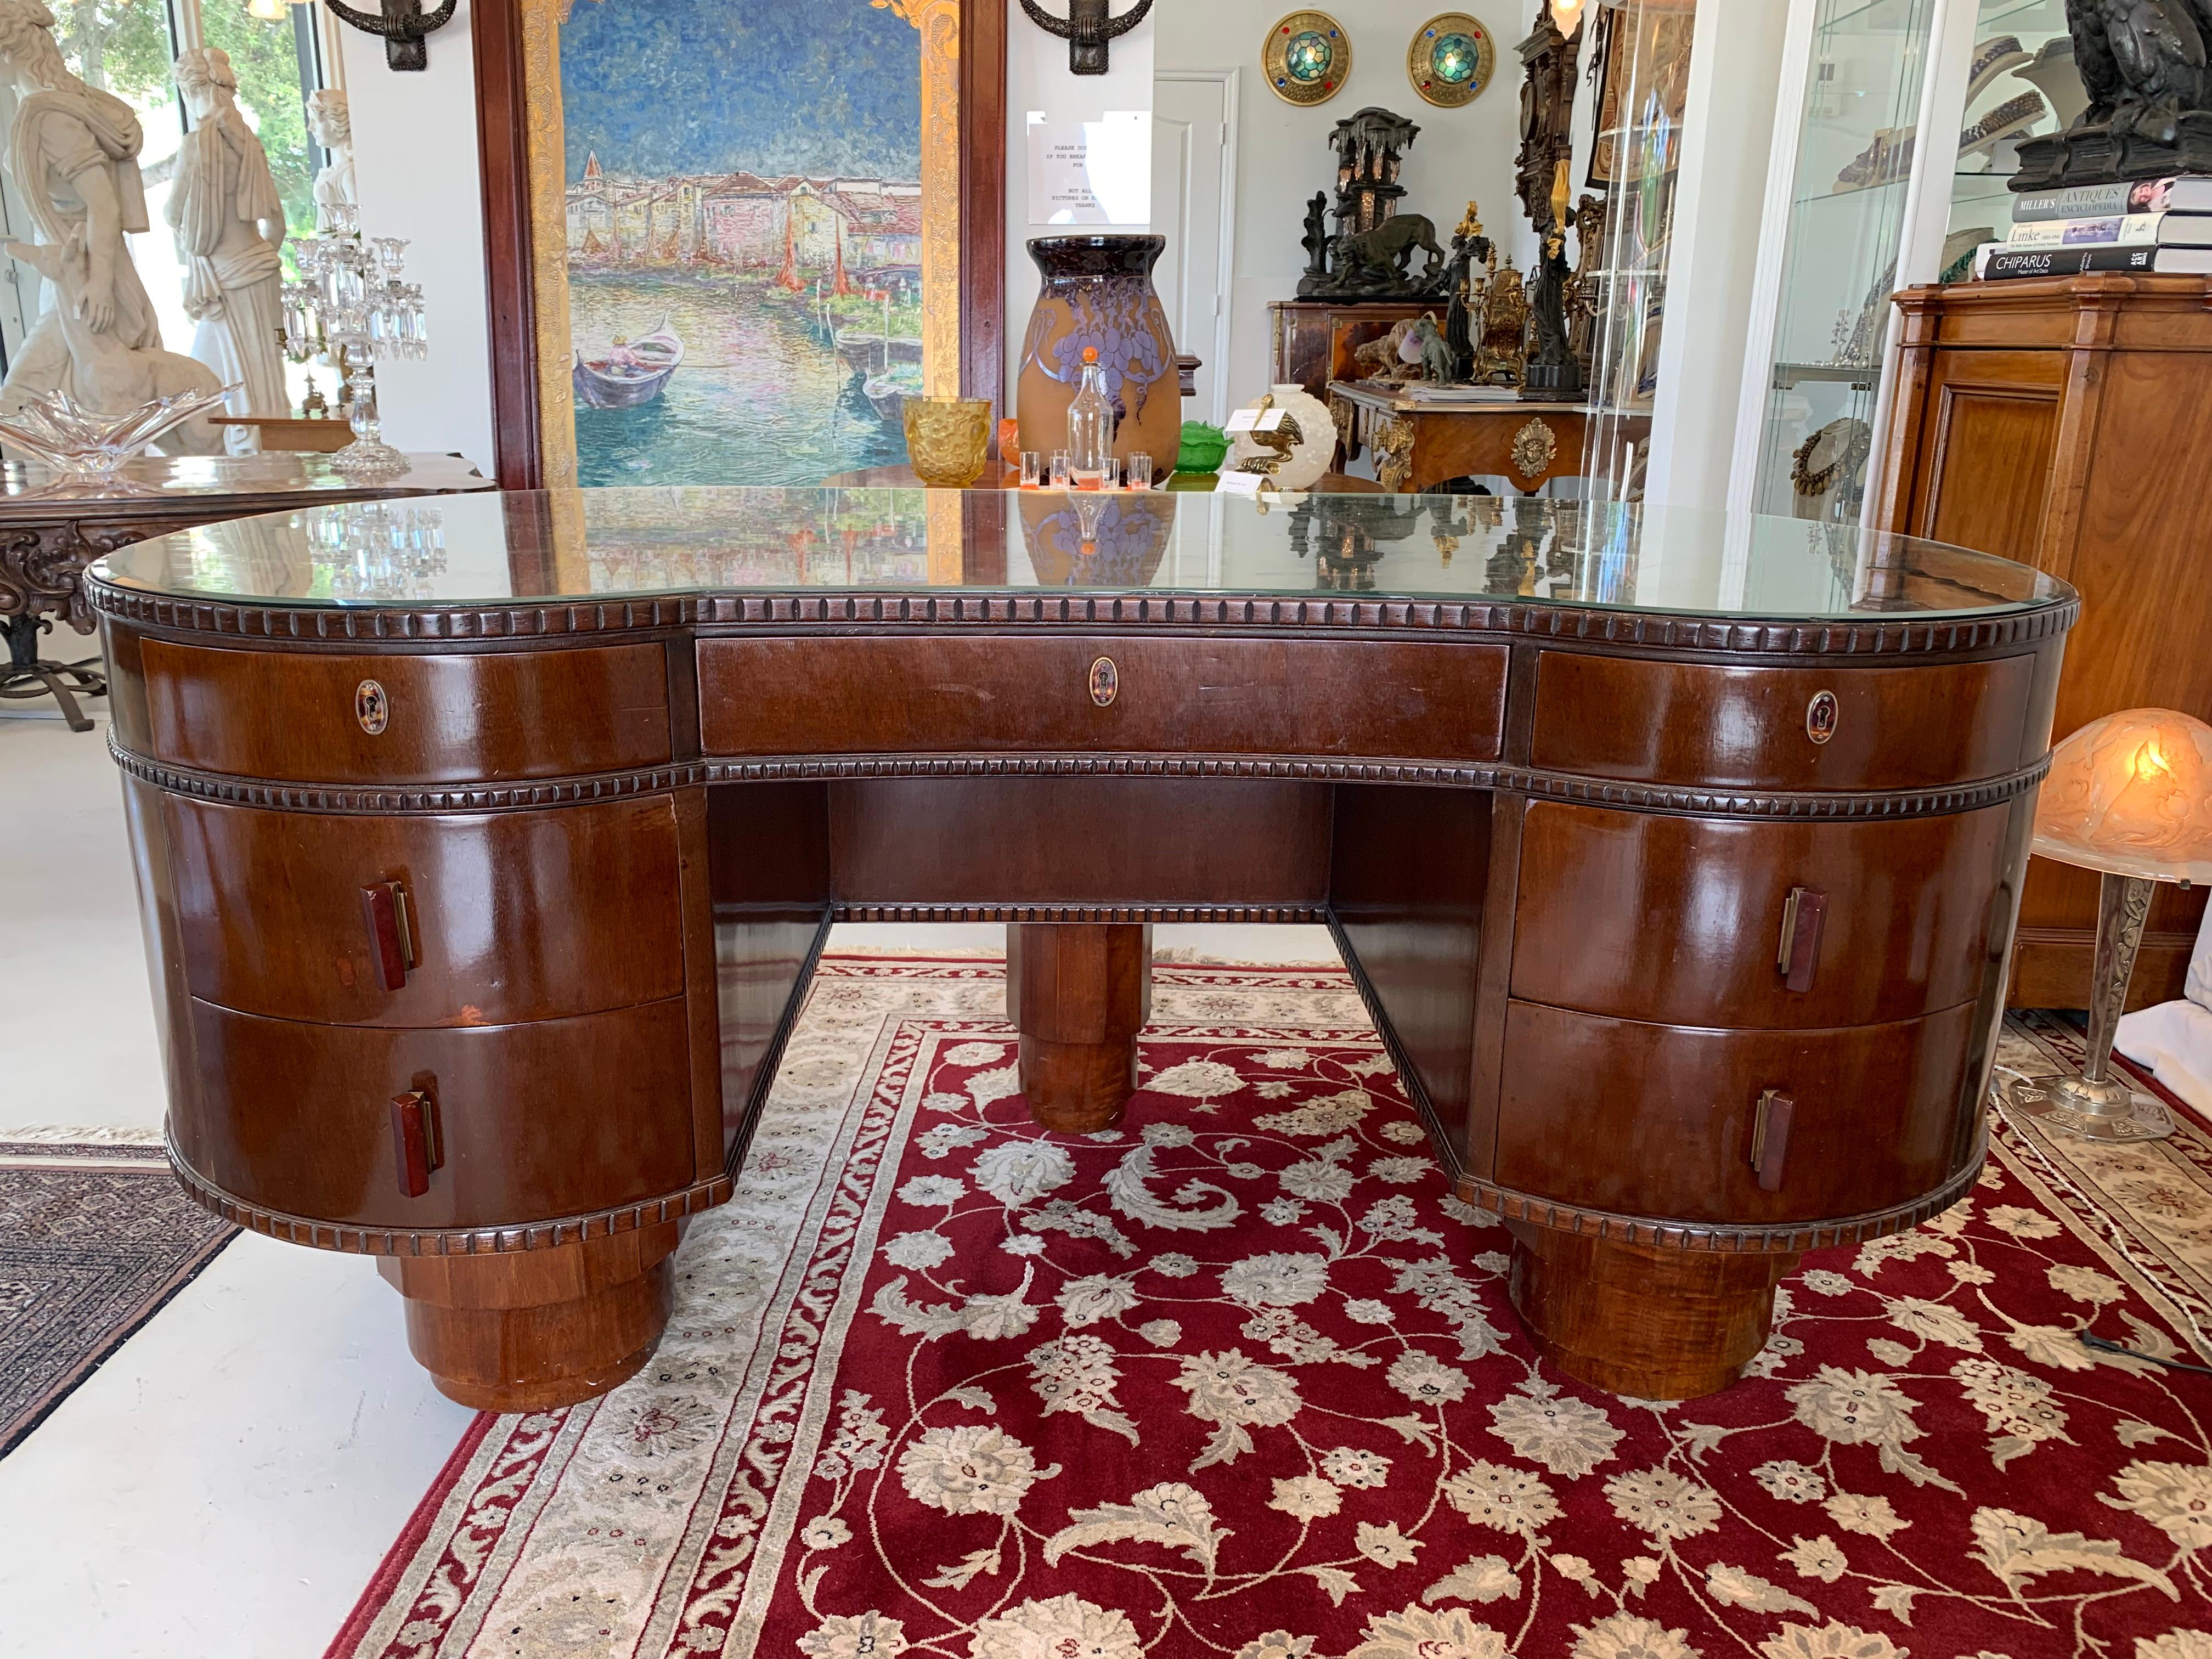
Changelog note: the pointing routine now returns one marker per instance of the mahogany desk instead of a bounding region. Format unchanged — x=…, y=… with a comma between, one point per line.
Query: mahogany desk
x=1677, y=859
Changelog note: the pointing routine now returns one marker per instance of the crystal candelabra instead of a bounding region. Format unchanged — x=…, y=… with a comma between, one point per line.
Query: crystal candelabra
x=350, y=310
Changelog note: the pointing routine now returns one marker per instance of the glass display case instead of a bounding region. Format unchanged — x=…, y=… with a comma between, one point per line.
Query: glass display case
x=2022, y=83
x=1855, y=162
x=1643, y=79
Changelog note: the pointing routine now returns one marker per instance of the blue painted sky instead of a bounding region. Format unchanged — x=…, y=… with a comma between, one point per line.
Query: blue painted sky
x=660, y=87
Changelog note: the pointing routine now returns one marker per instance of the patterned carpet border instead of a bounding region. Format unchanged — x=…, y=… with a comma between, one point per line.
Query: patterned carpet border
x=940, y=1385
x=95, y=1239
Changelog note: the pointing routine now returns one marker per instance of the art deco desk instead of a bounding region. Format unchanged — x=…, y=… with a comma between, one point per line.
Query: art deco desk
x=50, y=531
x=1677, y=859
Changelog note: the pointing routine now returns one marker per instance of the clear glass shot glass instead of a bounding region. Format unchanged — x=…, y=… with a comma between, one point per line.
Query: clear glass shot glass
x=1032, y=469
x=1060, y=473
x=1140, y=469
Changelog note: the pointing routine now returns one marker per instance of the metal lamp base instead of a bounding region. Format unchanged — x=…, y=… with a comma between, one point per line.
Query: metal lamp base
x=2110, y=1112
x=2099, y=1105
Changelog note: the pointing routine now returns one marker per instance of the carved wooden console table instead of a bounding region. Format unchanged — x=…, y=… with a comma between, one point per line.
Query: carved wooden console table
x=1677, y=859
x=49, y=532
x=1419, y=445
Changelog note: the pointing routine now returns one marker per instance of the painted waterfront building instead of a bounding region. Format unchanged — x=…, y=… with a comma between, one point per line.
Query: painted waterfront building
x=743, y=220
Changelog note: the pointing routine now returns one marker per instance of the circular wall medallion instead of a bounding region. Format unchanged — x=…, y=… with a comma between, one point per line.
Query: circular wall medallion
x=372, y=708
x=1451, y=60
x=1105, y=682
x=1820, y=716
x=1306, y=58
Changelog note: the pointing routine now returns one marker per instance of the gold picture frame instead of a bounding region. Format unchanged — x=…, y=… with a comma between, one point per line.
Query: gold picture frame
x=1452, y=60
x=1307, y=57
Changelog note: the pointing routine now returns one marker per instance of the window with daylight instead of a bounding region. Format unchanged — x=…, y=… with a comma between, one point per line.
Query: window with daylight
x=129, y=48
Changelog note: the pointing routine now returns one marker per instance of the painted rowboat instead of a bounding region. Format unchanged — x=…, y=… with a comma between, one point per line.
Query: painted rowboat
x=604, y=384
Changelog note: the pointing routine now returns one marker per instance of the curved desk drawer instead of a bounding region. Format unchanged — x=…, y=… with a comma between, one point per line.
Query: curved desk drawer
x=1872, y=1112
x=942, y=695
x=510, y=916
x=1700, y=725
x=456, y=717
x=1681, y=921
x=534, y=1122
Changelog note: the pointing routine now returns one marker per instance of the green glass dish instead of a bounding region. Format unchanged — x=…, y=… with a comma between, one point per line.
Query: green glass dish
x=1204, y=448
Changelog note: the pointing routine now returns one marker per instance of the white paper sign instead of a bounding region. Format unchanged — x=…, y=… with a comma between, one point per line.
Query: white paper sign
x=1091, y=173
x=1254, y=419
x=1239, y=483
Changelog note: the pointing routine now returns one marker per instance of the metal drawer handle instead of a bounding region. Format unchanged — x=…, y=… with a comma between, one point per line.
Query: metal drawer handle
x=1770, y=1137
x=391, y=932
x=1804, y=913
x=416, y=1148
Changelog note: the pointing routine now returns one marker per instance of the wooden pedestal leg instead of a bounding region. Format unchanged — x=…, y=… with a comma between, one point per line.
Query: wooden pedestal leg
x=1651, y=1324
x=529, y=1330
x=1079, y=993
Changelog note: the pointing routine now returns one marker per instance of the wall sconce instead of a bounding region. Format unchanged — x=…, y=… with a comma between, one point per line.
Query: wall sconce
x=1567, y=16
x=1086, y=28
x=404, y=26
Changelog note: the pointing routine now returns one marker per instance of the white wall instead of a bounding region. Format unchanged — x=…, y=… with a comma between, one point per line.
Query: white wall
x=1283, y=155
x=414, y=159
x=1037, y=78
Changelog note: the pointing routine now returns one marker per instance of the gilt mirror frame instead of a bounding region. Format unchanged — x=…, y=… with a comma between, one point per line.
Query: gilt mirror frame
x=518, y=143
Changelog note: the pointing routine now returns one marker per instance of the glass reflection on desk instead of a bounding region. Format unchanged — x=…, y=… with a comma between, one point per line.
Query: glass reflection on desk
x=602, y=543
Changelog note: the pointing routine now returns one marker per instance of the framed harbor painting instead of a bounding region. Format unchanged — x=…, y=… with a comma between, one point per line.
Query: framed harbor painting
x=738, y=232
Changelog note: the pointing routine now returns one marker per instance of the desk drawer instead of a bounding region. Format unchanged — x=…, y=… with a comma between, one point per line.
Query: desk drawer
x=303, y=717
x=942, y=695
x=535, y=1121
x=512, y=916
x=1704, y=724
x=1659, y=1120
x=1680, y=920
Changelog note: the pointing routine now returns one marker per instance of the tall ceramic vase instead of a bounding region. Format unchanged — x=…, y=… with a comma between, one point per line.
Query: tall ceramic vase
x=1098, y=292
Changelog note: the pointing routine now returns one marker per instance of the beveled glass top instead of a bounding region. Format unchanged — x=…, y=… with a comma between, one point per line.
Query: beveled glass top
x=605, y=543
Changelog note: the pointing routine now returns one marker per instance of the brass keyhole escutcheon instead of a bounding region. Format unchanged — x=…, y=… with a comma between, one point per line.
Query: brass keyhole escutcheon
x=372, y=708
x=1820, y=716
x=1105, y=682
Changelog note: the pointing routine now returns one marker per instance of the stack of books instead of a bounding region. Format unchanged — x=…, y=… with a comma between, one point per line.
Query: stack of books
x=2146, y=225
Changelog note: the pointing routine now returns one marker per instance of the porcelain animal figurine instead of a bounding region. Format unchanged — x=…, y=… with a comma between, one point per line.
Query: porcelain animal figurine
x=229, y=222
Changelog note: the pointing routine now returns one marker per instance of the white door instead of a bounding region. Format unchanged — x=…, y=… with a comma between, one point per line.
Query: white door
x=1194, y=188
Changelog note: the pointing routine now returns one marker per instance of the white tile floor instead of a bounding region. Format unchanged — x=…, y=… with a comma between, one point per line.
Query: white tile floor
x=226, y=1484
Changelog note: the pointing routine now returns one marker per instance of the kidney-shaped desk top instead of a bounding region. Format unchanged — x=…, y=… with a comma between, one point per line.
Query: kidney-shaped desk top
x=487, y=842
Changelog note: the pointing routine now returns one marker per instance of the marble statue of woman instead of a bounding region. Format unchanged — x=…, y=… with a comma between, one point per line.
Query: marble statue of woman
x=73, y=152
x=229, y=222
x=331, y=125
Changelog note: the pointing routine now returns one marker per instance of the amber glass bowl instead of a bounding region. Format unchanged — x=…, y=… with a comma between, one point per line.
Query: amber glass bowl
x=948, y=439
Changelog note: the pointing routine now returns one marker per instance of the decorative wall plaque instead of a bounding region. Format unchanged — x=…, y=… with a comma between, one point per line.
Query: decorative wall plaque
x=1451, y=60
x=1307, y=57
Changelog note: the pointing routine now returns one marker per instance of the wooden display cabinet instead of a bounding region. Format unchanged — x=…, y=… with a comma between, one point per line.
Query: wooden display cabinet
x=2063, y=423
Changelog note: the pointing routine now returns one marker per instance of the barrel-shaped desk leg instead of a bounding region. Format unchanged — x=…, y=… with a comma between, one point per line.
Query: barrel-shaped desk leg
x=1651, y=1324
x=1079, y=993
x=530, y=1330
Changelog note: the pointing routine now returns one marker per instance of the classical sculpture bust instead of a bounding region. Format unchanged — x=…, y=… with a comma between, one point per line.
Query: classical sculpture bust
x=73, y=152
x=330, y=124
x=229, y=223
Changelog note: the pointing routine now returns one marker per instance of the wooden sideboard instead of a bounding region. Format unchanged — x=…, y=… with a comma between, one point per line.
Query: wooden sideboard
x=2064, y=423
x=478, y=919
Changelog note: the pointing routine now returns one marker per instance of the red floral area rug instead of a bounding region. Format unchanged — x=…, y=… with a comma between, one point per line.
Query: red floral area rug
x=1241, y=1379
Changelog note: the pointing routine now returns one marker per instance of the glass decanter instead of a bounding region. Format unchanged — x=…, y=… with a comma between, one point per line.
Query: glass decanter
x=1090, y=427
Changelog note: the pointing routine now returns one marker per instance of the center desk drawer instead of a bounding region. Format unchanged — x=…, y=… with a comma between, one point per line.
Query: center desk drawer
x=943, y=695
x=457, y=717
x=533, y=1122
x=1645, y=916
x=1662, y=1121
x=1700, y=725
x=510, y=916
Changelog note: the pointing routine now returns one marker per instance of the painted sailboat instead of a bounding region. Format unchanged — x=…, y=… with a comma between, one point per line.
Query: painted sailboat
x=607, y=383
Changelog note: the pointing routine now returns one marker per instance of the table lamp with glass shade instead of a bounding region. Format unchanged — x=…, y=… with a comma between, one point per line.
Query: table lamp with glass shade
x=2128, y=796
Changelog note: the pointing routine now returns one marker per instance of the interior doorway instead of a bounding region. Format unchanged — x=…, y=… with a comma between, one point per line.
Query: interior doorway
x=1194, y=207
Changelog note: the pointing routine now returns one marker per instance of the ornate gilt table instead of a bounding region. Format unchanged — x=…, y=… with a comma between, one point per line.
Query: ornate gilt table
x=1419, y=445
x=49, y=532
x=1676, y=857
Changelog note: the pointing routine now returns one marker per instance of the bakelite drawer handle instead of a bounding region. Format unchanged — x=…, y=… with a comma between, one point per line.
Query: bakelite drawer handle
x=1770, y=1137
x=1803, y=914
x=415, y=1148
x=391, y=932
